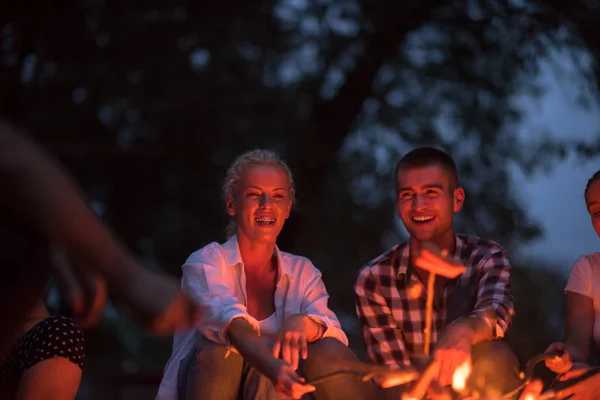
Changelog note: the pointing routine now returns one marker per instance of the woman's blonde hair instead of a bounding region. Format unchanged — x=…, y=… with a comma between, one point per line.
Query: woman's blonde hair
x=243, y=163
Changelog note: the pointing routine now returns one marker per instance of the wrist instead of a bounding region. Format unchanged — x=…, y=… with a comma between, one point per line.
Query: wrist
x=272, y=367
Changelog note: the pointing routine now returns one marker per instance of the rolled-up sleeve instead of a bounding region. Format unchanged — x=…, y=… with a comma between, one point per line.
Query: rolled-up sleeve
x=314, y=304
x=205, y=281
x=383, y=339
x=495, y=302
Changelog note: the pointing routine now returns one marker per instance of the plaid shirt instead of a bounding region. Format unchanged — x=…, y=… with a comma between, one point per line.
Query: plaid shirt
x=391, y=299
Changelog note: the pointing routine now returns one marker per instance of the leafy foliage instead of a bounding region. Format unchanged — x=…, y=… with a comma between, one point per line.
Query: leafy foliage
x=148, y=102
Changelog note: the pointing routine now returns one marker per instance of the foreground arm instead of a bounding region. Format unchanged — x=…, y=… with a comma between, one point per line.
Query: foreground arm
x=36, y=189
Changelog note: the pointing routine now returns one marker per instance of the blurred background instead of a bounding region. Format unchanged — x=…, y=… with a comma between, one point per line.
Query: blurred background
x=147, y=103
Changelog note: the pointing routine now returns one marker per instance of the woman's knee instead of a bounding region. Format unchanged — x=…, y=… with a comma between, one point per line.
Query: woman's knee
x=328, y=355
x=201, y=372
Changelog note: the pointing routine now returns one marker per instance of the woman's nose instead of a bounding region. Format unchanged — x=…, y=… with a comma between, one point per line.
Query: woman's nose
x=265, y=200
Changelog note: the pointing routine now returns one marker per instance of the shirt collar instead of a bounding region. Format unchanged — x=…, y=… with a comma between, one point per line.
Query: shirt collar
x=234, y=257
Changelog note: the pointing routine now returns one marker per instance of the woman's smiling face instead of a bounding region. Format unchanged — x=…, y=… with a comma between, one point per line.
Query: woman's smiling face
x=261, y=203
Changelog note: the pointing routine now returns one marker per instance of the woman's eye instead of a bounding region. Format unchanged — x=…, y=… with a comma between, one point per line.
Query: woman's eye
x=253, y=194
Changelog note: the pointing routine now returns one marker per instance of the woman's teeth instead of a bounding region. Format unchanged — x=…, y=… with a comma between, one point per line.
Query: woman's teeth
x=265, y=221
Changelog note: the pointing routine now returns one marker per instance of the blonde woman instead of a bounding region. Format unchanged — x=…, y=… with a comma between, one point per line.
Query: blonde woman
x=269, y=320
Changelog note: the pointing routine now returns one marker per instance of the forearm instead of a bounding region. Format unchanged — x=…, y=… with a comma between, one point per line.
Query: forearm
x=37, y=189
x=250, y=346
x=577, y=348
x=475, y=328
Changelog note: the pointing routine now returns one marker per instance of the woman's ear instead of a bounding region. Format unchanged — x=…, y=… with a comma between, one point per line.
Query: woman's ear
x=459, y=199
x=230, y=205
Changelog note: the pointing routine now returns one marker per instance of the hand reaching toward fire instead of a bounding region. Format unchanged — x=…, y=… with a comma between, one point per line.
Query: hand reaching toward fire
x=451, y=362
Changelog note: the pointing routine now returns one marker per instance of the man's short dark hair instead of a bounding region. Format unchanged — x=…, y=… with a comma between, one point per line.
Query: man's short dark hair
x=426, y=157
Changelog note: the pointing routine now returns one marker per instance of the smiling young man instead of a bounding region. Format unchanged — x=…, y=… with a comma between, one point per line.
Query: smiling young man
x=469, y=311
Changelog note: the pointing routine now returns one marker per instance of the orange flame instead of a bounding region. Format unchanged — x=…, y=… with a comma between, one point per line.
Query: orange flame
x=459, y=379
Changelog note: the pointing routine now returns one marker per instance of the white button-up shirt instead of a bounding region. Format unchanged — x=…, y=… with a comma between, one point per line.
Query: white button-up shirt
x=214, y=276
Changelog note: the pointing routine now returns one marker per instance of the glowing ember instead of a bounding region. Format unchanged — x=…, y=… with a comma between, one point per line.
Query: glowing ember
x=459, y=379
x=529, y=396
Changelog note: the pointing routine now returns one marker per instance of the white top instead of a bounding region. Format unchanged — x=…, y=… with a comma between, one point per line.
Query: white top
x=585, y=279
x=268, y=329
x=214, y=276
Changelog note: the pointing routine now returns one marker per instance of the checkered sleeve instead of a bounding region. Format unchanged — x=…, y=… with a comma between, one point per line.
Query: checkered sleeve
x=384, y=342
x=495, y=303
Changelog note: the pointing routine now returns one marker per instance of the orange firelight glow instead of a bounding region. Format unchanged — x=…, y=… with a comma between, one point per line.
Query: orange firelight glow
x=459, y=379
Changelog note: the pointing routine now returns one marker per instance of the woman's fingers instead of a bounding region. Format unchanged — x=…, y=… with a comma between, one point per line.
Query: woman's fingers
x=303, y=347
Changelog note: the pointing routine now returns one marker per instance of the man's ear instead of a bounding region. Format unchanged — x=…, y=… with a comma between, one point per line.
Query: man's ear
x=230, y=205
x=459, y=199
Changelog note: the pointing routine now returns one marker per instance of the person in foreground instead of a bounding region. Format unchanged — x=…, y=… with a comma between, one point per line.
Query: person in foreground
x=582, y=328
x=46, y=229
x=470, y=311
x=269, y=315
x=40, y=198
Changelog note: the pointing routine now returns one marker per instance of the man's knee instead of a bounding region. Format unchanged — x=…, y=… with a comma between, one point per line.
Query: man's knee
x=495, y=366
x=495, y=352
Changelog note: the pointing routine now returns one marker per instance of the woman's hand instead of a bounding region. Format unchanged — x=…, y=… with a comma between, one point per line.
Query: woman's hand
x=291, y=342
x=561, y=364
x=286, y=382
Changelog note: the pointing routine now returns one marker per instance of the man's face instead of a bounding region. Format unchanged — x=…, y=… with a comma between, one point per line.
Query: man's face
x=426, y=201
x=592, y=200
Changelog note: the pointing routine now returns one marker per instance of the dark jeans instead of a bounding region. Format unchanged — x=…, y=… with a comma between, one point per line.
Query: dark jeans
x=207, y=374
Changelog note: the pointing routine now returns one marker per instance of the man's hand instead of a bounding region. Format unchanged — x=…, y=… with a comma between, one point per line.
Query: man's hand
x=453, y=350
x=286, y=382
x=291, y=342
x=83, y=290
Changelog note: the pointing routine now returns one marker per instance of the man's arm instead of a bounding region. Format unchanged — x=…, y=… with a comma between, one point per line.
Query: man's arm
x=383, y=339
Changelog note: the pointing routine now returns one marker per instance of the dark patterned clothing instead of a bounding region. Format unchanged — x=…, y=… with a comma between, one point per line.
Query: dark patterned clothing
x=52, y=337
x=391, y=299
